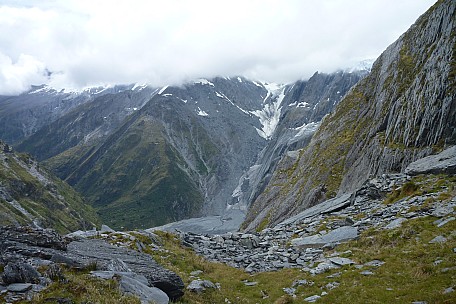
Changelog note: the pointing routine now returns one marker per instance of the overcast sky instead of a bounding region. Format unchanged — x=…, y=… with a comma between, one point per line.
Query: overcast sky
x=88, y=42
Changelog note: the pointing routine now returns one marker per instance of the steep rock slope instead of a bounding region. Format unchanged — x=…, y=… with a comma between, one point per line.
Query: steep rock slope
x=304, y=105
x=30, y=195
x=404, y=110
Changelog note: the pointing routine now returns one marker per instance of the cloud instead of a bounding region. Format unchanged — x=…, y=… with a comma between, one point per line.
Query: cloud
x=16, y=77
x=88, y=42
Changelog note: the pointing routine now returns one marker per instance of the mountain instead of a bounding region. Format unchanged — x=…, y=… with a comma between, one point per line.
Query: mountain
x=305, y=104
x=179, y=152
x=23, y=115
x=31, y=195
x=403, y=110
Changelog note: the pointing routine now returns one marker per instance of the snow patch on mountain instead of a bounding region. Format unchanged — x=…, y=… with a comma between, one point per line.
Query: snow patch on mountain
x=270, y=114
x=223, y=96
x=139, y=87
x=203, y=81
x=162, y=90
x=201, y=112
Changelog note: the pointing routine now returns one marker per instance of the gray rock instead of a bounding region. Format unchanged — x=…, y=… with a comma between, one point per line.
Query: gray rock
x=341, y=261
x=323, y=267
x=448, y=290
x=45, y=238
x=198, y=286
x=366, y=272
x=20, y=273
x=444, y=162
x=61, y=259
x=117, y=265
x=395, y=223
x=344, y=233
x=438, y=239
x=374, y=263
x=89, y=251
x=250, y=283
x=441, y=211
x=135, y=284
x=325, y=207
x=139, y=287
x=196, y=273
x=106, y=228
x=312, y=299
x=289, y=291
x=446, y=221
x=19, y=287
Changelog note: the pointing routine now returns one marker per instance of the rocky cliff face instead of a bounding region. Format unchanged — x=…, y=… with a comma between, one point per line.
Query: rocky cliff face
x=30, y=195
x=305, y=104
x=404, y=110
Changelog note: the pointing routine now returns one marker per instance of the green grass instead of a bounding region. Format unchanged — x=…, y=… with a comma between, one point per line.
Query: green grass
x=83, y=288
x=55, y=203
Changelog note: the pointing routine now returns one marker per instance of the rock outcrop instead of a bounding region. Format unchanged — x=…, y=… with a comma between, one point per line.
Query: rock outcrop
x=23, y=249
x=403, y=110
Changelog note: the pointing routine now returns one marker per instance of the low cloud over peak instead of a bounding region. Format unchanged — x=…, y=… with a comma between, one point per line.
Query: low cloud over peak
x=85, y=43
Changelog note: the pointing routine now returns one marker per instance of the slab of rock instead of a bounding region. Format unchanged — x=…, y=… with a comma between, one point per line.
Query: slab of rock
x=106, y=228
x=374, y=263
x=312, y=299
x=438, y=240
x=19, y=287
x=341, y=261
x=340, y=234
x=325, y=207
x=395, y=223
x=135, y=284
x=444, y=162
x=102, y=254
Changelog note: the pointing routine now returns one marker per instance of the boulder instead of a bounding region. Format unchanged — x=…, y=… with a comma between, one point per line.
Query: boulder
x=444, y=162
x=20, y=273
x=198, y=286
x=135, y=284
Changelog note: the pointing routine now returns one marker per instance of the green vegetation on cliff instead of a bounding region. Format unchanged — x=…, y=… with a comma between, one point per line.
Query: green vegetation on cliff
x=29, y=194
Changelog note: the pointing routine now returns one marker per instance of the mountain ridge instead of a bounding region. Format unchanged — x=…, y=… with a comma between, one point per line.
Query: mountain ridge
x=403, y=110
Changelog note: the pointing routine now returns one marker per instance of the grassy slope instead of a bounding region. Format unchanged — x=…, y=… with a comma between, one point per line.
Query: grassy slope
x=55, y=205
x=138, y=183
